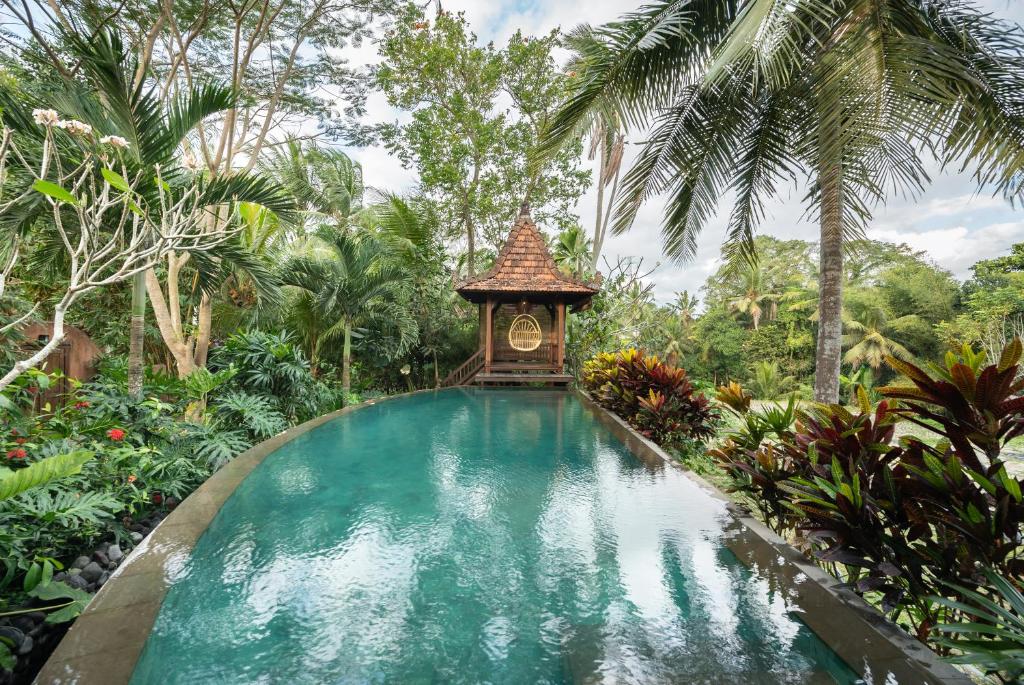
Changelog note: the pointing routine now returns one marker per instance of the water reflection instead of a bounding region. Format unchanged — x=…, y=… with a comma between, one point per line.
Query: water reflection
x=469, y=537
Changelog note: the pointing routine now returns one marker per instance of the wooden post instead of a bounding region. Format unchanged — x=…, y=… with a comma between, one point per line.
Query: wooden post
x=480, y=326
x=560, y=346
x=488, y=336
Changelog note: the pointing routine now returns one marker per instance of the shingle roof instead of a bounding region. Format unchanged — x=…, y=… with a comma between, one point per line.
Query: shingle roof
x=524, y=265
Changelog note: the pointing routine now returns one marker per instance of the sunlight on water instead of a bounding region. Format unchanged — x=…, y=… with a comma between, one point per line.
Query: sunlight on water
x=473, y=536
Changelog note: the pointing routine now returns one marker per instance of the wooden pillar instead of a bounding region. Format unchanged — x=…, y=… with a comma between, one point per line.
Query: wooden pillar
x=480, y=327
x=488, y=335
x=560, y=346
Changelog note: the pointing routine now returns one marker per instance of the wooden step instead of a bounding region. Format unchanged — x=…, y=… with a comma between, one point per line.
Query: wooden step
x=497, y=378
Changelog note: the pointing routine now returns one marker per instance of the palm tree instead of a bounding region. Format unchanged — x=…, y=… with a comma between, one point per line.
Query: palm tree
x=752, y=292
x=869, y=334
x=325, y=183
x=747, y=95
x=572, y=251
x=347, y=284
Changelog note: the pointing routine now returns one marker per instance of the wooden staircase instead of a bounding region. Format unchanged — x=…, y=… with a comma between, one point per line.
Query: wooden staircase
x=465, y=374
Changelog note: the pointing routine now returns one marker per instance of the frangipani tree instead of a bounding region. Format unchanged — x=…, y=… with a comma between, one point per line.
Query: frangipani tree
x=748, y=96
x=108, y=229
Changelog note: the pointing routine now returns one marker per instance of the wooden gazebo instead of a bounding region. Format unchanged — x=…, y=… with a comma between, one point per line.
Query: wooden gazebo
x=523, y=303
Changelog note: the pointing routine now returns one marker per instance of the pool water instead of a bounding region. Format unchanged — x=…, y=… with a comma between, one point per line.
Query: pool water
x=472, y=536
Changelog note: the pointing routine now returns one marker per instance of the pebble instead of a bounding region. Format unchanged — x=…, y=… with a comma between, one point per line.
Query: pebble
x=92, y=572
x=74, y=571
x=103, y=579
x=136, y=537
x=114, y=553
x=59, y=576
x=101, y=558
x=80, y=562
x=26, y=646
x=12, y=634
x=78, y=582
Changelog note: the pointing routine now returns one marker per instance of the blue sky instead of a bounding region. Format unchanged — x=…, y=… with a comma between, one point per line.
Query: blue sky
x=954, y=224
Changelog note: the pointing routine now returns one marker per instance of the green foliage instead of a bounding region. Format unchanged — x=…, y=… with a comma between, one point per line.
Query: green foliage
x=473, y=157
x=992, y=635
x=40, y=473
x=655, y=398
x=906, y=521
x=767, y=381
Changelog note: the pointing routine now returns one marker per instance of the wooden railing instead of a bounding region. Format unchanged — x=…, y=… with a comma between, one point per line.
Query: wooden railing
x=466, y=371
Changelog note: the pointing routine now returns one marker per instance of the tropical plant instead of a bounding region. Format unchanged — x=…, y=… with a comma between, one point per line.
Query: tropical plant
x=747, y=95
x=992, y=637
x=572, y=252
x=654, y=397
x=326, y=184
x=869, y=332
x=767, y=381
x=353, y=286
x=41, y=473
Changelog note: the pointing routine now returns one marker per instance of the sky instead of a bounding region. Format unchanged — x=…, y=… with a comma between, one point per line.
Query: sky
x=953, y=223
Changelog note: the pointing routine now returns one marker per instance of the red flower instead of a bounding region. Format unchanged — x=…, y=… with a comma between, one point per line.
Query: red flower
x=116, y=434
x=17, y=453
x=157, y=498
x=21, y=441
x=81, y=404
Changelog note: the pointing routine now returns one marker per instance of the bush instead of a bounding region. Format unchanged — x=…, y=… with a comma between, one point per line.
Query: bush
x=902, y=522
x=654, y=397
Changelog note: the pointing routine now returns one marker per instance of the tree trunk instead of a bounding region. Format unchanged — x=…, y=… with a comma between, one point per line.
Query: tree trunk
x=598, y=238
x=137, y=337
x=346, y=363
x=830, y=286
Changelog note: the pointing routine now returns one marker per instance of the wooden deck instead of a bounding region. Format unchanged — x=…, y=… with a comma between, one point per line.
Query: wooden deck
x=509, y=378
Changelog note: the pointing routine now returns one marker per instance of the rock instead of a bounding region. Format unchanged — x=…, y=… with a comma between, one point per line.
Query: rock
x=92, y=572
x=12, y=634
x=74, y=571
x=23, y=623
x=26, y=646
x=102, y=547
x=37, y=616
x=114, y=553
x=80, y=562
x=136, y=537
x=111, y=566
x=77, y=581
x=137, y=527
x=101, y=558
x=60, y=576
x=103, y=579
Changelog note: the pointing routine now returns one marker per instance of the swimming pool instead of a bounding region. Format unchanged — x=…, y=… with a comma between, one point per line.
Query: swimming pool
x=473, y=536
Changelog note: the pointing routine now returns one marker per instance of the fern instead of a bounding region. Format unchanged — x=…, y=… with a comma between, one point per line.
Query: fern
x=68, y=509
x=218, y=446
x=40, y=473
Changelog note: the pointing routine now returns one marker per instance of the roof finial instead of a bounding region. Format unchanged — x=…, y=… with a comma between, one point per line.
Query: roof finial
x=524, y=211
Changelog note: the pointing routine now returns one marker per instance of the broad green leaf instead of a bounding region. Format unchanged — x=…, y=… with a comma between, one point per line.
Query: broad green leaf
x=43, y=472
x=76, y=600
x=54, y=191
x=7, y=660
x=115, y=180
x=32, y=578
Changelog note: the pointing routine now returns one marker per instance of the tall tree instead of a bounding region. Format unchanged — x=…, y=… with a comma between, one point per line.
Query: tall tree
x=471, y=153
x=746, y=95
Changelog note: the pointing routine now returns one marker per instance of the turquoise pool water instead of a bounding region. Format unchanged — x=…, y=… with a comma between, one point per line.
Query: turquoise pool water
x=473, y=536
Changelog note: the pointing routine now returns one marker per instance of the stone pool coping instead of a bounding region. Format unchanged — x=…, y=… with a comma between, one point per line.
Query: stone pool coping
x=105, y=642
x=103, y=645
x=872, y=645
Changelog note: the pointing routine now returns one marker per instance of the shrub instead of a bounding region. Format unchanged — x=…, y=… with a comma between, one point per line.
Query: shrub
x=654, y=397
x=902, y=522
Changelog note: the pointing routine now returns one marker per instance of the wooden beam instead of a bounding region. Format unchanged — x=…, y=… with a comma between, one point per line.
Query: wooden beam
x=560, y=346
x=488, y=336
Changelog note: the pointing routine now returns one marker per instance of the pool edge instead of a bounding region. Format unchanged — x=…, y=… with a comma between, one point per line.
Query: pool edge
x=821, y=595
x=105, y=642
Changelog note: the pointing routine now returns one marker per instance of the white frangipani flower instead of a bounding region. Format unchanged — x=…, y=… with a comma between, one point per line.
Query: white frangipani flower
x=190, y=163
x=115, y=141
x=75, y=127
x=46, y=117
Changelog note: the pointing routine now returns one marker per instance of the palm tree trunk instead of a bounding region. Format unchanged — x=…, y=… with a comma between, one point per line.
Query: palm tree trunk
x=346, y=363
x=136, y=336
x=830, y=284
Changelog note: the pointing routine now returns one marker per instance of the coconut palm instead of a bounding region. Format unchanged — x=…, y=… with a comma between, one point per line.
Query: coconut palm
x=749, y=95
x=572, y=251
x=326, y=184
x=869, y=334
x=752, y=292
x=348, y=284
